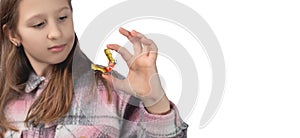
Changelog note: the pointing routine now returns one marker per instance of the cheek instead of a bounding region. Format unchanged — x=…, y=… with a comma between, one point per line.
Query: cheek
x=69, y=30
x=34, y=42
x=70, y=36
x=31, y=37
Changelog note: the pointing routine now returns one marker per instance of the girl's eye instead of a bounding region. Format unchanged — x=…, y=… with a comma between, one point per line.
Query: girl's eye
x=39, y=25
x=63, y=18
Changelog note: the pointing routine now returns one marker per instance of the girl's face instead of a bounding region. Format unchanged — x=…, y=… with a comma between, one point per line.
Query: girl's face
x=46, y=31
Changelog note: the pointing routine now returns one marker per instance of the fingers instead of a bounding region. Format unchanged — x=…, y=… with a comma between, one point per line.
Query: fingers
x=126, y=55
x=140, y=43
x=137, y=46
x=125, y=32
x=149, y=46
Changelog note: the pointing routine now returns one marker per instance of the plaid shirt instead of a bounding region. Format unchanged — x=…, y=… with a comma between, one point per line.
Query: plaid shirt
x=90, y=116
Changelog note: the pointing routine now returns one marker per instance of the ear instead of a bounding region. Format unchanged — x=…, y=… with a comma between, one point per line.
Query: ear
x=12, y=36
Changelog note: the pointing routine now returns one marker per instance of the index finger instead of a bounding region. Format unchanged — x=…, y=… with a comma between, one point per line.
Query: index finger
x=125, y=32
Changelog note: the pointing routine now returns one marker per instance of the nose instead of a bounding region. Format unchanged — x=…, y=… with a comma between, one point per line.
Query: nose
x=54, y=32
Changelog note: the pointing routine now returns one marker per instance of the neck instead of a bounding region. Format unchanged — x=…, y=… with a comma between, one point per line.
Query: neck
x=42, y=69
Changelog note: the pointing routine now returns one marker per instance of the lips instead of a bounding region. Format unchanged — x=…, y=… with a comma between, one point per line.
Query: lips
x=57, y=48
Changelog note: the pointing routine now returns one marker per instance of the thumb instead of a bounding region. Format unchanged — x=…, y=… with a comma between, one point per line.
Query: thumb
x=113, y=81
x=118, y=84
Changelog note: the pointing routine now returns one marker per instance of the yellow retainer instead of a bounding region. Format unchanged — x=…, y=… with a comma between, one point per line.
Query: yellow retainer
x=111, y=63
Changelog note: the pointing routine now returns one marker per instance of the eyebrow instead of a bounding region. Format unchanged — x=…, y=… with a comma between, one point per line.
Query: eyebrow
x=41, y=15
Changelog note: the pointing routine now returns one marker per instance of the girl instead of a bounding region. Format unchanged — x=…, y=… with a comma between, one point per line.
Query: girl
x=47, y=88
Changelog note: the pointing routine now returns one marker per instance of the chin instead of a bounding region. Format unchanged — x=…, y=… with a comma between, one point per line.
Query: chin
x=61, y=58
x=58, y=60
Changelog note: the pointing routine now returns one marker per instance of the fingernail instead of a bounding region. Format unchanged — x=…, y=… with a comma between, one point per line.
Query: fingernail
x=108, y=45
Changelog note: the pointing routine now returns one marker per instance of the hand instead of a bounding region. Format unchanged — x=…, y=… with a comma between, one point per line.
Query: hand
x=142, y=80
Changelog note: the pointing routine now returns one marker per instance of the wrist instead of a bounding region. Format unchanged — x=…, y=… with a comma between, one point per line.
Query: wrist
x=161, y=107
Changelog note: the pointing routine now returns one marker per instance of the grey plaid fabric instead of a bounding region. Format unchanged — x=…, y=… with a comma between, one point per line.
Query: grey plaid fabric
x=33, y=82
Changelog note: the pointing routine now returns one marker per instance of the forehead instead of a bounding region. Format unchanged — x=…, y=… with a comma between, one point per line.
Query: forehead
x=29, y=8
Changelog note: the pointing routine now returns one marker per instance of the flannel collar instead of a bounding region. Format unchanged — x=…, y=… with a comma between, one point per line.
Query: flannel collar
x=33, y=82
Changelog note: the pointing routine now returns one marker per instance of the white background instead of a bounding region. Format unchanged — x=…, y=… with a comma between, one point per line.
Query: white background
x=260, y=42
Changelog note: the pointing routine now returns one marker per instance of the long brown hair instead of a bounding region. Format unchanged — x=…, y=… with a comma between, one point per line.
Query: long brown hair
x=54, y=101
